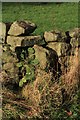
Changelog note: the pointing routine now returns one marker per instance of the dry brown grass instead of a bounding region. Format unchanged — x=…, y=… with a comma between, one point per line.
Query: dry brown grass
x=43, y=93
x=70, y=79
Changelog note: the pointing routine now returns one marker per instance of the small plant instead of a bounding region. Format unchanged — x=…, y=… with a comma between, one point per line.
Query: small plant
x=29, y=76
x=27, y=67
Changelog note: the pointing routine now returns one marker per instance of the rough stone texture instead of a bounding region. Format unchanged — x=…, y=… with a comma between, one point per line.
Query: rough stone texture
x=40, y=54
x=47, y=57
x=24, y=41
x=21, y=27
x=32, y=40
x=75, y=32
x=59, y=47
x=65, y=63
x=14, y=41
x=74, y=43
x=10, y=70
x=52, y=36
x=0, y=57
x=2, y=32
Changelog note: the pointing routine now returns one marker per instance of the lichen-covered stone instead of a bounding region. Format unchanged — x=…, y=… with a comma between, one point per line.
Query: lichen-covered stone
x=40, y=54
x=32, y=40
x=23, y=41
x=47, y=57
x=9, y=68
x=74, y=43
x=14, y=42
x=60, y=47
x=52, y=36
x=75, y=32
x=2, y=32
x=21, y=27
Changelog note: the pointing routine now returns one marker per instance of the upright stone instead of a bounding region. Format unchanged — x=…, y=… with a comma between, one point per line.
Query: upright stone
x=40, y=54
x=47, y=57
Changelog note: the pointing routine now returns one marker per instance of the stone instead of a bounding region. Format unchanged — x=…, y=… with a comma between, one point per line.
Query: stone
x=47, y=57
x=32, y=40
x=9, y=67
x=21, y=27
x=74, y=43
x=40, y=54
x=2, y=32
x=14, y=42
x=75, y=32
x=61, y=48
x=52, y=36
x=24, y=41
x=65, y=63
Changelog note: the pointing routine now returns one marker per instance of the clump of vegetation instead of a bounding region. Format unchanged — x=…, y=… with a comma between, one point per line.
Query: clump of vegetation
x=27, y=67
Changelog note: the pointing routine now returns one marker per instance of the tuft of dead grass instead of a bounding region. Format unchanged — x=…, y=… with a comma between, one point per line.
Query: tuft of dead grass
x=70, y=79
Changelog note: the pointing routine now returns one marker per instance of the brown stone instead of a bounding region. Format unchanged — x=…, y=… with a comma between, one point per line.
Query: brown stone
x=75, y=32
x=60, y=47
x=40, y=54
x=14, y=41
x=2, y=32
x=21, y=27
x=52, y=36
x=24, y=41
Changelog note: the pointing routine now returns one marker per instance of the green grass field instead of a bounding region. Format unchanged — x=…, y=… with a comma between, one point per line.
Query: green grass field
x=47, y=16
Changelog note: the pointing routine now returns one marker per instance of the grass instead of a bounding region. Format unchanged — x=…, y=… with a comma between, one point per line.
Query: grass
x=47, y=16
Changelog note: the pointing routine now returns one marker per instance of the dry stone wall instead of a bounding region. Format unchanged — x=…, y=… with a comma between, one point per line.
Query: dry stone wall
x=45, y=67
x=54, y=47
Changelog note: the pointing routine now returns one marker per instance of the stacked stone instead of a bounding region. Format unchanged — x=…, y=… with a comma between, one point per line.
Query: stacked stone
x=64, y=44
x=53, y=52
x=57, y=45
